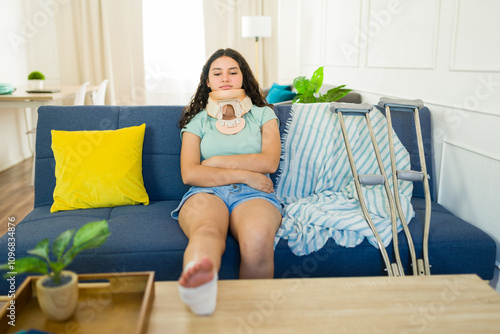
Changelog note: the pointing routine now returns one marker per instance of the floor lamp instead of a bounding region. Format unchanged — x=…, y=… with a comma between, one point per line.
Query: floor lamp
x=256, y=26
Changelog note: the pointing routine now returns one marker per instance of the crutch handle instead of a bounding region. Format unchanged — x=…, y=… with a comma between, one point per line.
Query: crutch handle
x=401, y=103
x=351, y=108
x=371, y=179
x=410, y=175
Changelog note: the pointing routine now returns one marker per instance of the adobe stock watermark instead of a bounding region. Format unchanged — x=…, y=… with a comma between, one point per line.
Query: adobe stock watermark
x=264, y=309
x=87, y=310
x=222, y=7
x=11, y=258
x=377, y=22
x=31, y=26
x=422, y=316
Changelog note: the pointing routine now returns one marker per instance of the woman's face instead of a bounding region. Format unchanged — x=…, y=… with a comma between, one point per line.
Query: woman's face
x=225, y=74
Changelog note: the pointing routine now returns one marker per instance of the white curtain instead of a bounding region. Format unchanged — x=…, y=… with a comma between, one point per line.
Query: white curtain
x=102, y=39
x=223, y=30
x=174, y=50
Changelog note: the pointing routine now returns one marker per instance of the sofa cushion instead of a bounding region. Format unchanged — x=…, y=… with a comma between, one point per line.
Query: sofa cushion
x=280, y=93
x=97, y=169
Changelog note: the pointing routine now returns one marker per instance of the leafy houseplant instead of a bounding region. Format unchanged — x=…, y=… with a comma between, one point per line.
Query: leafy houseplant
x=36, y=76
x=90, y=235
x=36, y=80
x=308, y=89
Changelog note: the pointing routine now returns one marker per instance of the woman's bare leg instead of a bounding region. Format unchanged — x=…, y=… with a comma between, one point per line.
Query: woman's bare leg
x=204, y=218
x=254, y=224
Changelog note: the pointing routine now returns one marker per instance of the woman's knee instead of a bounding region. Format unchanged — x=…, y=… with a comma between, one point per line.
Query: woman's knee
x=257, y=244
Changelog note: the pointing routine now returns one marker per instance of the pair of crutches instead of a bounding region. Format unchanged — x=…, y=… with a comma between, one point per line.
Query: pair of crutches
x=420, y=266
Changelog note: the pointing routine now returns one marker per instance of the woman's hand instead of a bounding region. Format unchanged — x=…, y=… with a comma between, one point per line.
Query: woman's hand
x=215, y=161
x=260, y=182
x=255, y=180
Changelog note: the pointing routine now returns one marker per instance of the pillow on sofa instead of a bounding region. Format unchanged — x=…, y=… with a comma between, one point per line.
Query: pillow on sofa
x=280, y=93
x=96, y=169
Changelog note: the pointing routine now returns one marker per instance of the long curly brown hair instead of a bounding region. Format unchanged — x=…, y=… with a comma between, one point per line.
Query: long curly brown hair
x=200, y=98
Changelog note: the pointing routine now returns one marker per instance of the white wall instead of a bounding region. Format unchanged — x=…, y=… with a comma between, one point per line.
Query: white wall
x=13, y=58
x=446, y=53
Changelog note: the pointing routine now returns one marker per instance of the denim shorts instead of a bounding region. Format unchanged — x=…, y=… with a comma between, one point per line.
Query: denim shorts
x=232, y=195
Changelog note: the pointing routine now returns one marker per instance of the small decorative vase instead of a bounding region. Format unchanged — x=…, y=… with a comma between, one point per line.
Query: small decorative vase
x=58, y=302
x=36, y=84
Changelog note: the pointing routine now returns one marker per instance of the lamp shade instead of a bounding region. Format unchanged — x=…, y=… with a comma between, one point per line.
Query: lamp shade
x=255, y=26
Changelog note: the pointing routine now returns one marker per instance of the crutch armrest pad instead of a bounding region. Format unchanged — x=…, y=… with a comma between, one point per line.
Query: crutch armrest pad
x=352, y=108
x=401, y=103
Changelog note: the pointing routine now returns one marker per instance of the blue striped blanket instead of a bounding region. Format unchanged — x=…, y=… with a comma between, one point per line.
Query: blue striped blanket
x=316, y=185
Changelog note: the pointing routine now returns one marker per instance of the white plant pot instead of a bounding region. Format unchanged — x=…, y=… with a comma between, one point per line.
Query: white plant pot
x=36, y=84
x=59, y=302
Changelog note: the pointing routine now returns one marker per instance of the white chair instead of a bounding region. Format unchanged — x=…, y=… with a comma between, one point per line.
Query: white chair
x=80, y=94
x=100, y=94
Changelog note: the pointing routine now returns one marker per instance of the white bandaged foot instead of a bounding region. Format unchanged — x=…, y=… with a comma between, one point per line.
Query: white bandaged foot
x=201, y=299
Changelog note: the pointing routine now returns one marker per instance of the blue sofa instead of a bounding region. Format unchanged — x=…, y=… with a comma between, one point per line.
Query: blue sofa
x=147, y=238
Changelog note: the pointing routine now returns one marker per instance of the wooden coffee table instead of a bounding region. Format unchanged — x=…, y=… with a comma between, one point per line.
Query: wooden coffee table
x=434, y=304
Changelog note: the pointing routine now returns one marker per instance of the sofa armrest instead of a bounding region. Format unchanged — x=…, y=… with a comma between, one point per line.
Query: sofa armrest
x=351, y=97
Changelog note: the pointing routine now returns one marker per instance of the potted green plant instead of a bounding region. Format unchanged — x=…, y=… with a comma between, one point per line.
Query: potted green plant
x=36, y=80
x=308, y=89
x=57, y=290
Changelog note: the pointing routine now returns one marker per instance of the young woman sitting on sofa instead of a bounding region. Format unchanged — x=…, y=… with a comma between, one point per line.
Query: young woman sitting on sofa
x=230, y=143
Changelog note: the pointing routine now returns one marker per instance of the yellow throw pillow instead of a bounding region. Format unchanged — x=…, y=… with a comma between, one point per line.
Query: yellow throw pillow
x=96, y=169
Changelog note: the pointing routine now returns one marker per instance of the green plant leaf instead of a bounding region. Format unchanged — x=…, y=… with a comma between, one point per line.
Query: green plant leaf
x=61, y=242
x=94, y=243
x=317, y=80
x=41, y=249
x=57, y=268
x=301, y=84
x=309, y=99
x=36, y=75
x=336, y=93
x=90, y=235
x=27, y=264
x=90, y=231
x=308, y=90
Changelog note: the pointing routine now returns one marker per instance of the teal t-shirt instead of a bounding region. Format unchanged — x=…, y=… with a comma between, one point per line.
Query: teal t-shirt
x=247, y=141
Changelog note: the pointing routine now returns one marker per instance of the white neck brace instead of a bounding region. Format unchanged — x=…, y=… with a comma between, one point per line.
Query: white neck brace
x=218, y=103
